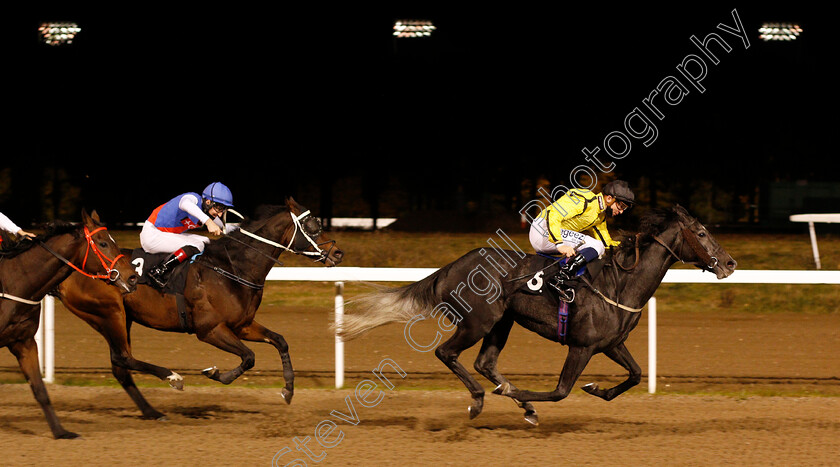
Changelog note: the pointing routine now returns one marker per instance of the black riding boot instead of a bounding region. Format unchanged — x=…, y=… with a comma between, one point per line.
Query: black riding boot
x=158, y=273
x=566, y=273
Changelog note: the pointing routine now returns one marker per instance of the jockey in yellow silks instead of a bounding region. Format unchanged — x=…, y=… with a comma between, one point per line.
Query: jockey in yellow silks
x=560, y=227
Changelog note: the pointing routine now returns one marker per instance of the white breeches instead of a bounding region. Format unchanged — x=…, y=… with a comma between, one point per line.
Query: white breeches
x=155, y=241
x=541, y=240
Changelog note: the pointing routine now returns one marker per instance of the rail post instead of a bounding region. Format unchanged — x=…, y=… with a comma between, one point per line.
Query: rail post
x=652, y=345
x=339, y=344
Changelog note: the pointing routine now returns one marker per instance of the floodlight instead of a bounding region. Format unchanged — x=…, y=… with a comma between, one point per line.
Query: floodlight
x=58, y=33
x=413, y=28
x=779, y=31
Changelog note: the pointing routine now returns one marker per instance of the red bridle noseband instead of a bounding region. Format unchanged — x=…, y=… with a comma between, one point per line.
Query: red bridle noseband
x=111, y=273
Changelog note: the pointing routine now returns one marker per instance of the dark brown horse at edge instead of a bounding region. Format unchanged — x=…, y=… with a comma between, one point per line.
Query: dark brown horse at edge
x=224, y=287
x=29, y=269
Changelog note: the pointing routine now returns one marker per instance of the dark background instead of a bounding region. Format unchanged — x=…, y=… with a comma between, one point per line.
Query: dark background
x=452, y=131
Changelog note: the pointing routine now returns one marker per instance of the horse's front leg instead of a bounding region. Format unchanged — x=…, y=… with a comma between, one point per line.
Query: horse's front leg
x=222, y=337
x=122, y=372
x=109, y=319
x=256, y=332
x=620, y=355
x=116, y=330
x=26, y=353
x=576, y=361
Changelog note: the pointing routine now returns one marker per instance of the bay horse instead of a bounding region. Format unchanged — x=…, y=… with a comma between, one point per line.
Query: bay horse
x=30, y=269
x=482, y=300
x=223, y=289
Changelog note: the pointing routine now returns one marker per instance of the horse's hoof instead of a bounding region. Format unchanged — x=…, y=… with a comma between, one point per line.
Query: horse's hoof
x=286, y=395
x=68, y=435
x=212, y=373
x=532, y=418
x=175, y=381
x=154, y=415
x=502, y=389
x=476, y=407
x=591, y=388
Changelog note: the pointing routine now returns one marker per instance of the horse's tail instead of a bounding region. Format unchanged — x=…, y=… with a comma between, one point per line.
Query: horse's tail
x=390, y=305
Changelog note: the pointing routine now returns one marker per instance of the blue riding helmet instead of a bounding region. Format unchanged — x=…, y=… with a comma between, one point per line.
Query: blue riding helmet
x=217, y=192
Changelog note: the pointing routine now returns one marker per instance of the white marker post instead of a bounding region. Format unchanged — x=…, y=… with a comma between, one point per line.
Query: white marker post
x=651, y=314
x=339, y=345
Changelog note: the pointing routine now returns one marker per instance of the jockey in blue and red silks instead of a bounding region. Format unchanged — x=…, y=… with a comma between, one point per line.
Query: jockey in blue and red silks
x=165, y=231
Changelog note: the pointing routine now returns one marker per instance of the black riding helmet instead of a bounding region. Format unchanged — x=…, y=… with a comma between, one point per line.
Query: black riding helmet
x=620, y=190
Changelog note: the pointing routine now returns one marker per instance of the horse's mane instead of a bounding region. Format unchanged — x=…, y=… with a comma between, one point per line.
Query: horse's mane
x=262, y=214
x=13, y=245
x=652, y=223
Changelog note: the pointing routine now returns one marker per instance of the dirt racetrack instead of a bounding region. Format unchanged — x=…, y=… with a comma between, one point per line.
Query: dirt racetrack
x=749, y=389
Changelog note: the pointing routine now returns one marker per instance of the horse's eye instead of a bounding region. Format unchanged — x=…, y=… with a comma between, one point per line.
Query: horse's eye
x=103, y=244
x=701, y=234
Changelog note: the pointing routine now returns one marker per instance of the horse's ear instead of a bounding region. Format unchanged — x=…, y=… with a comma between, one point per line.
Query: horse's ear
x=682, y=212
x=93, y=218
x=292, y=204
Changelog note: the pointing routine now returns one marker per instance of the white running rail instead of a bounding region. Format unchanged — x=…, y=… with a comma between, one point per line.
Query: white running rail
x=340, y=275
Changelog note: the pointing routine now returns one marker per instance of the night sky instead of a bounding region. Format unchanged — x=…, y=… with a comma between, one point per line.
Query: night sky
x=152, y=100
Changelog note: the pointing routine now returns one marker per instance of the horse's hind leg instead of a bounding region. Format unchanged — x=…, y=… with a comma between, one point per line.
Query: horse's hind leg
x=620, y=355
x=448, y=353
x=485, y=363
x=223, y=338
x=26, y=353
x=256, y=332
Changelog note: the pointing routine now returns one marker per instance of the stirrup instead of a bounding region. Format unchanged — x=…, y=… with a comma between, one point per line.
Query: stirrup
x=565, y=295
x=158, y=277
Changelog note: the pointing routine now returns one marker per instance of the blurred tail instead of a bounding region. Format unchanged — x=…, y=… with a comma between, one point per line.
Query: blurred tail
x=391, y=305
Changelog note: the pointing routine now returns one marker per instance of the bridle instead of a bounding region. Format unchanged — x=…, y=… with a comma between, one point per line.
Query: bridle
x=111, y=273
x=299, y=220
x=706, y=261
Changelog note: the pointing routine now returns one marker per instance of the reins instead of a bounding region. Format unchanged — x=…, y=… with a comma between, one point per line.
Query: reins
x=319, y=252
x=638, y=257
x=18, y=299
x=231, y=276
x=296, y=220
x=706, y=262
x=687, y=236
x=609, y=300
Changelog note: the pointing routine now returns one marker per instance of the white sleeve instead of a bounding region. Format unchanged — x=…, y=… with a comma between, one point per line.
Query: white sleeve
x=231, y=228
x=189, y=204
x=226, y=228
x=7, y=224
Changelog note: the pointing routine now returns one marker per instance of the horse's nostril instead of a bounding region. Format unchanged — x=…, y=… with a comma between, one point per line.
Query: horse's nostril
x=732, y=263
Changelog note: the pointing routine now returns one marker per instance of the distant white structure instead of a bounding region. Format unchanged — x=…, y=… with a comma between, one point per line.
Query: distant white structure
x=810, y=219
x=362, y=222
